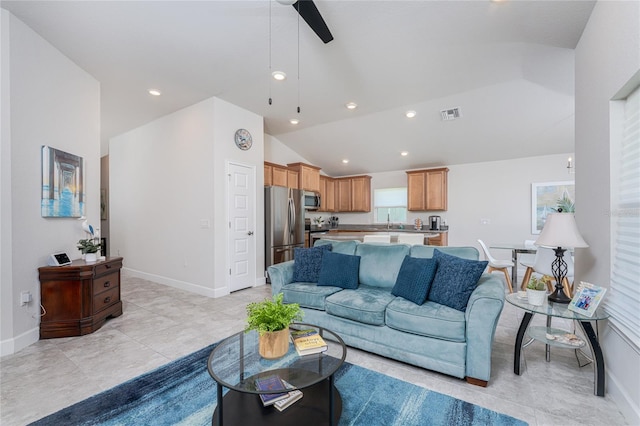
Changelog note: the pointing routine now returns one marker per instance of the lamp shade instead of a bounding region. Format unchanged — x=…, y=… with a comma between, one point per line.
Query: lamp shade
x=560, y=230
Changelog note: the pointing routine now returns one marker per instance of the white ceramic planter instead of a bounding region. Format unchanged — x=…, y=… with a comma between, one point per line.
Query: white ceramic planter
x=90, y=257
x=536, y=297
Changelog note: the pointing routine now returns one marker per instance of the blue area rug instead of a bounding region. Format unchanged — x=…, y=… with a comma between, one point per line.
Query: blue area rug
x=183, y=393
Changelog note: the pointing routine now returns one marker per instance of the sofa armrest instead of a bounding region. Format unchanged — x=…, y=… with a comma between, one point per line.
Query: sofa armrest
x=280, y=274
x=482, y=315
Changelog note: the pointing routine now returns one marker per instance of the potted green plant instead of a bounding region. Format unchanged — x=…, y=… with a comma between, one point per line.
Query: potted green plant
x=89, y=248
x=271, y=319
x=536, y=291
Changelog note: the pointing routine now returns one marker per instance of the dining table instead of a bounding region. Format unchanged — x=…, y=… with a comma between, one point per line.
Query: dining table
x=516, y=249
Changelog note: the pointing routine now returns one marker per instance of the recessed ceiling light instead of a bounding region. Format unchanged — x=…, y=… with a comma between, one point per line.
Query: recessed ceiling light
x=294, y=121
x=345, y=161
x=279, y=75
x=410, y=114
x=351, y=105
x=155, y=92
x=404, y=153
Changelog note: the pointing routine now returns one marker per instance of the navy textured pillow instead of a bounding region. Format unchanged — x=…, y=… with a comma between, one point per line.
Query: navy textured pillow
x=307, y=262
x=339, y=270
x=455, y=280
x=414, y=279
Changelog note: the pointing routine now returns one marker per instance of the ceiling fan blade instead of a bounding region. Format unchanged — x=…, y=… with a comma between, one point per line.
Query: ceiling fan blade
x=309, y=12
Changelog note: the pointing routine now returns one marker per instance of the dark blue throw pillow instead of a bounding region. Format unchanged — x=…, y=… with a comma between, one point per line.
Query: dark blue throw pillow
x=307, y=262
x=414, y=279
x=339, y=270
x=455, y=280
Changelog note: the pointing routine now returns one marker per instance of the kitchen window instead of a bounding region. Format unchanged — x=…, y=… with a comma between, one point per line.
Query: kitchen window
x=390, y=205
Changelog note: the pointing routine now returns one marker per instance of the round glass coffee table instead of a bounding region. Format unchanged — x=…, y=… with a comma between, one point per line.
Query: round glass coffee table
x=235, y=364
x=543, y=334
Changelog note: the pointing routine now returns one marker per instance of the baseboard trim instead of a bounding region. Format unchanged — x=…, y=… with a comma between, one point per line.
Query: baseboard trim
x=182, y=285
x=16, y=344
x=625, y=403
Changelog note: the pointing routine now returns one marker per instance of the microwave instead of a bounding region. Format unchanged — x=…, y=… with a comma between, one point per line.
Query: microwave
x=311, y=200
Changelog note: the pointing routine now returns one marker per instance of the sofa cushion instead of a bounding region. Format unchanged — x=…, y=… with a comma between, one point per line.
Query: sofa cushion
x=430, y=319
x=339, y=270
x=414, y=279
x=470, y=253
x=455, y=280
x=307, y=263
x=344, y=247
x=380, y=263
x=307, y=295
x=365, y=305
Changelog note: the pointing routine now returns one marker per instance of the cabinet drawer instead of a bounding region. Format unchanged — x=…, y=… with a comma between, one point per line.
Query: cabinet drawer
x=105, y=268
x=105, y=283
x=107, y=298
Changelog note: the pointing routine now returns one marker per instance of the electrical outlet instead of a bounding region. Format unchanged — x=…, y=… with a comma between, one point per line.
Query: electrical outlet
x=25, y=297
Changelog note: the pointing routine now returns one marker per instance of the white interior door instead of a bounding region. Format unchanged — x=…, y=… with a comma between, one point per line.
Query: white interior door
x=242, y=239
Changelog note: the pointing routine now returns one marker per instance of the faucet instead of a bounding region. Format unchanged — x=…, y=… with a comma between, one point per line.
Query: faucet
x=388, y=222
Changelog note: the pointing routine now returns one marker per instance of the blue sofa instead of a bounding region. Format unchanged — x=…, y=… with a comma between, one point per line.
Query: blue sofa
x=431, y=335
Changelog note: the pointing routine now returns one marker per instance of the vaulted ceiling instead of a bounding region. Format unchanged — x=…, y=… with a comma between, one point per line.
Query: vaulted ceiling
x=508, y=66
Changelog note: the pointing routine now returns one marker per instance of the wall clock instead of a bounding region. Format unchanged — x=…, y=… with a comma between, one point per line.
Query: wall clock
x=243, y=139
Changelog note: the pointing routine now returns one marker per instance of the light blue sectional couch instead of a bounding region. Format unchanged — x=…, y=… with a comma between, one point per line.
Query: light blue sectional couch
x=431, y=335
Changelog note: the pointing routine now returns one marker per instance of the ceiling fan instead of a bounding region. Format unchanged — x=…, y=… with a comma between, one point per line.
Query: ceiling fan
x=309, y=12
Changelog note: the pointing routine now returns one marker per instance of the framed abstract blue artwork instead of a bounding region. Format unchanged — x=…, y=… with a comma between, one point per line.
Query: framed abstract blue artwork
x=62, y=184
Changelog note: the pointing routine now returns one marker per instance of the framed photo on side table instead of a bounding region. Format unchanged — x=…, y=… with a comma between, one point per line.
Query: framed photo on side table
x=587, y=298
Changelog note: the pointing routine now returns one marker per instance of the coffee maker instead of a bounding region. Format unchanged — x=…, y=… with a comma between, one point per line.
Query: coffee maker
x=434, y=223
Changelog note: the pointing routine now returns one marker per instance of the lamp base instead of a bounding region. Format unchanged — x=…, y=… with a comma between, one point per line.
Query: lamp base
x=558, y=296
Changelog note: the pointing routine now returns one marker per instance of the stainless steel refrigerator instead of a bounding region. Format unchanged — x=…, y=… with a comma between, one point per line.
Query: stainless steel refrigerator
x=284, y=223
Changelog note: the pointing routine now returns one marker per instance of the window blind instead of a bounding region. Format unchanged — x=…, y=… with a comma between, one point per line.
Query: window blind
x=623, y=300
x=390, y=197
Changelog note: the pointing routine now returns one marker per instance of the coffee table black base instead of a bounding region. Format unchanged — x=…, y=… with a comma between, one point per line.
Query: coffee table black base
x=244, y=409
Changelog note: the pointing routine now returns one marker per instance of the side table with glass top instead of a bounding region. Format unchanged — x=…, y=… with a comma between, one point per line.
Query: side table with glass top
x=558, y=310
x=235, y=364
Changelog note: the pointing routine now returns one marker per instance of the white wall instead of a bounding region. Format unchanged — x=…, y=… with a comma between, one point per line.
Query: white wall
x=168, y=176
x=607, y=57
x=46, y=100
x=499, y=191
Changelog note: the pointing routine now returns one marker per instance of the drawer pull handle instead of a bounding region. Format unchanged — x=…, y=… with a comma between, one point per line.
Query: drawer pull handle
x=107, y=266
x=107, y=299
x=107, y=283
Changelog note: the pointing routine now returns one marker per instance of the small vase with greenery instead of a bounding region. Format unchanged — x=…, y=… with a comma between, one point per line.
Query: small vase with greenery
x=536, y=291
x=89, y=248
x=271, y=319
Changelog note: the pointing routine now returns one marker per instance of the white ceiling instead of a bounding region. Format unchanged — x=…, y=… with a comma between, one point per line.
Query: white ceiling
x=508, y=65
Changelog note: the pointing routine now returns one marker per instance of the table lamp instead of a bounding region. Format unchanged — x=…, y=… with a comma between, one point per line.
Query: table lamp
x=560, y=232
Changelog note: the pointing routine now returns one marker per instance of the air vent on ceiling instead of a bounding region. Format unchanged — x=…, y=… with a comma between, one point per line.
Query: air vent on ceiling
x=450, y=114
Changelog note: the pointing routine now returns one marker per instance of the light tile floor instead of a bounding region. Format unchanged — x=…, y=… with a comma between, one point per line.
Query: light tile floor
x=161, y=324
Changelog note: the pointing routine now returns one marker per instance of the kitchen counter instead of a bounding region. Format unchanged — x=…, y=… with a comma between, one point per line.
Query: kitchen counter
x=357, y=232
x=374, y=228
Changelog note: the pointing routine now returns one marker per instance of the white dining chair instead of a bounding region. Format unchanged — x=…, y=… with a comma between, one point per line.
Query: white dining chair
x=411, y=239
x=542, y=265
x=377, y=238
x=498, y=265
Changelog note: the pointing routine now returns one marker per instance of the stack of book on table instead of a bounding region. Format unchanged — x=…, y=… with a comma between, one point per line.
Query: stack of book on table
x=308, y=342
x=279, y=400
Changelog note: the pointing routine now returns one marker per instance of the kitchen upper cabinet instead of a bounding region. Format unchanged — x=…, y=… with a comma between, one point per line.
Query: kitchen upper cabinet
x=427, y=189
x=268, y=174
x=308, y=176
x=277, y=175
x=361, y=194
x=327, y=194
x=353, y=194
x=343, y=195
x=293, y=179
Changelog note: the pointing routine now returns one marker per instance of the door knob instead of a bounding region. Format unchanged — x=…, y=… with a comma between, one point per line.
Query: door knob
x=250, y=233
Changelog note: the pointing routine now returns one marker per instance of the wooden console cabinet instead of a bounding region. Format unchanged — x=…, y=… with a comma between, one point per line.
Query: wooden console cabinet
x=78, y=298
